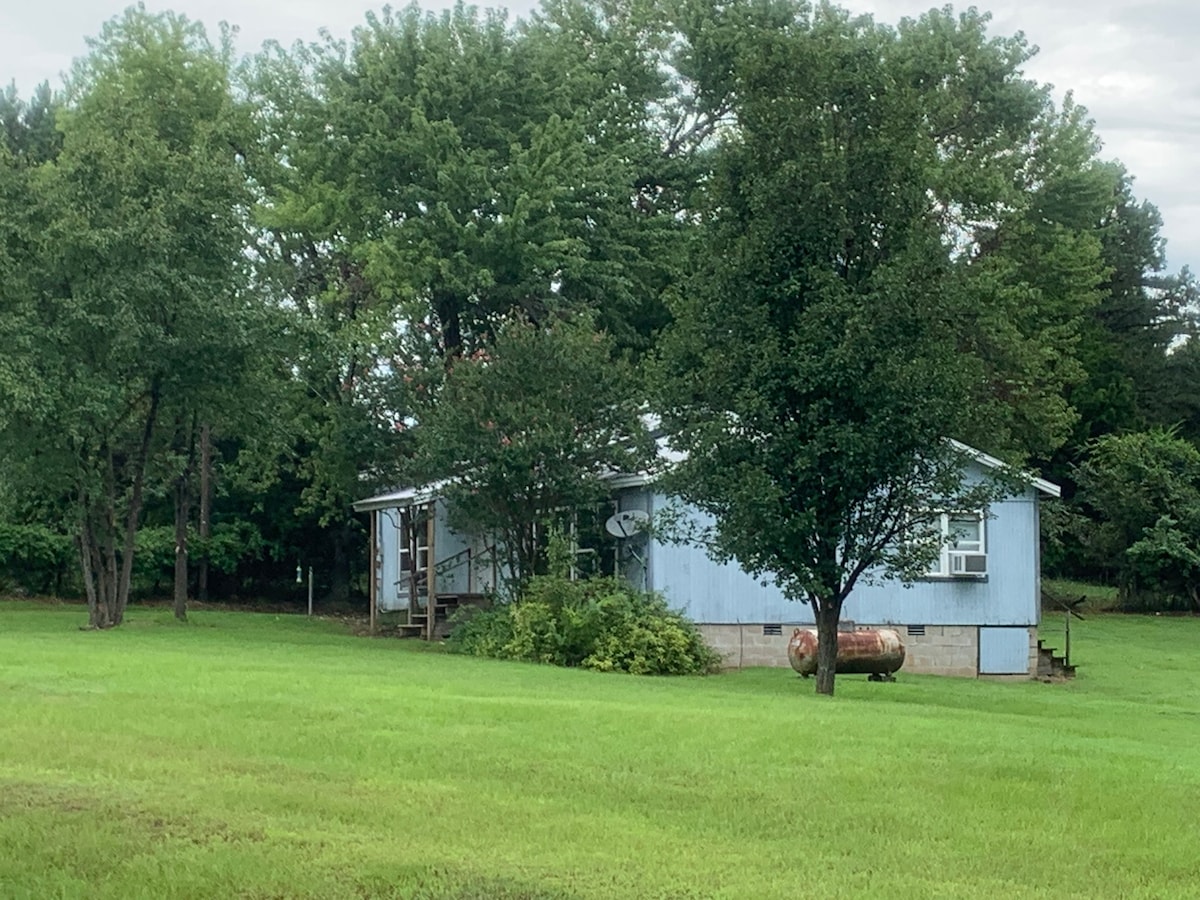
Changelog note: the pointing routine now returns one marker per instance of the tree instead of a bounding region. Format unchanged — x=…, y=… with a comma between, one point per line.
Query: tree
x=428, y=179
x=1035, y=268
x=816, y=365
x=129, y=310
x=527, y=430
x=1144, y=489
x=27, y=128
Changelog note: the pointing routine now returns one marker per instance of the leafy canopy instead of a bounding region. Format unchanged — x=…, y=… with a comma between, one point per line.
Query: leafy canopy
x=528, y=430
x=816, y=365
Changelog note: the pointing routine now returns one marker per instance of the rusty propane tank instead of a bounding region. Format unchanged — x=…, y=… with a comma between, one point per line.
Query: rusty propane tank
x=867, y=652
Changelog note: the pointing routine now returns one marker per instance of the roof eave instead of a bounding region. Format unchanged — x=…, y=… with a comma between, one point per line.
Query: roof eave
x=984, y=459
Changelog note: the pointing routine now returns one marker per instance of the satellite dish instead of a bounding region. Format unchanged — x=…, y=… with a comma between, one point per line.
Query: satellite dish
x=627, y=523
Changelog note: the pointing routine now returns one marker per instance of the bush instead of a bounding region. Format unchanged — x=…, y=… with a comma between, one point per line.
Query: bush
x=33, y=557
x=230, y=545
x=600, y=624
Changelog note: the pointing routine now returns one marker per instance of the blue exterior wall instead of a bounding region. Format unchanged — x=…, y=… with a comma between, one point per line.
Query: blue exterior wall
x=387, y=534
x=723, y=594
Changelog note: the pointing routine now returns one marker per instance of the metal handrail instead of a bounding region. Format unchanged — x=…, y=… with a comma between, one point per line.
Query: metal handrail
x=440, y=567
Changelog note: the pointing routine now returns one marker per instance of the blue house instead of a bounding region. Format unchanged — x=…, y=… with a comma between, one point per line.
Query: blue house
x=976, y=612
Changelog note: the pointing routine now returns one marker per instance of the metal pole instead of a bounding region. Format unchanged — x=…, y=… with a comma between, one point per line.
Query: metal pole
x=310, y=589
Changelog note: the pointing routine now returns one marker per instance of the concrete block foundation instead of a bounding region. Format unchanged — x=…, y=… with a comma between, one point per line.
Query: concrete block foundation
x=932, y=650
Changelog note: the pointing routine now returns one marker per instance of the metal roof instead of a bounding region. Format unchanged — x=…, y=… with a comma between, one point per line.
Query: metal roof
x=425, y=493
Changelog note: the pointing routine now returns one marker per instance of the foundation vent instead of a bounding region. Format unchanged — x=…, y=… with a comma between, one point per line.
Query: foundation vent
x=773, y=630
x=916, y=631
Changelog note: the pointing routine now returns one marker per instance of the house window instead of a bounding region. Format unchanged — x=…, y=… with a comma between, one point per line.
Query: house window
x=963, y=552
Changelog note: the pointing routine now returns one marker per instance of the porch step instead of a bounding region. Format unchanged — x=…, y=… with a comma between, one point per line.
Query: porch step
x=1051, y=665
x=447, y=604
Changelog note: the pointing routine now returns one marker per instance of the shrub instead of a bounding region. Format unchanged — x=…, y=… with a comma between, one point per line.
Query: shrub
x=33, y=557
x=230, y=545
x=600, y=623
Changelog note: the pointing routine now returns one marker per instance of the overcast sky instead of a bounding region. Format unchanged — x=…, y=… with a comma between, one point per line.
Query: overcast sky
x=1128, y=61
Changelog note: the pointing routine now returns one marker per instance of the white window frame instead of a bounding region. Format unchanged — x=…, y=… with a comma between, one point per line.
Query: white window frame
x=943, y=566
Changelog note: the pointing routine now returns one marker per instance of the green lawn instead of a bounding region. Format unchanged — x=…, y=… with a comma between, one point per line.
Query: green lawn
x=258, y=756
x=1096, y=598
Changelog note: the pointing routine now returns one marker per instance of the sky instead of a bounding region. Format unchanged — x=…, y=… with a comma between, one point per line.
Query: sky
x=1128, y=61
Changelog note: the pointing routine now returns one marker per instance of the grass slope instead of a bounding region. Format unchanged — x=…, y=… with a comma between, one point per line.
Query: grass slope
x=254, y=756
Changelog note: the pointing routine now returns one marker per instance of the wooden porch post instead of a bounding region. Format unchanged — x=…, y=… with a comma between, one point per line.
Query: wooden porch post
x=430, y=573
x=374, y=590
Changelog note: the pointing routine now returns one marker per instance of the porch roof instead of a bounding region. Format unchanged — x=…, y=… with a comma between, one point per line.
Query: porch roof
x=408, y=496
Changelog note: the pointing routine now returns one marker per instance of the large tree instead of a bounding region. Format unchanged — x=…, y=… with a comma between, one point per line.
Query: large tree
x=434, y=175
x=850, y=312
x=129, y=309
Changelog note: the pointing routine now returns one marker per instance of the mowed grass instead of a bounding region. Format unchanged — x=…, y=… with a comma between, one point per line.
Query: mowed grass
x=251, y=755
x=1096, y=597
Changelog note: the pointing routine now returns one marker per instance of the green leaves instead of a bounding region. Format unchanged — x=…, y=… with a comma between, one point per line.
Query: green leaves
x=816, y=363
x=130, y=303
x=527, y=430
x=466, y=168
x=1145, y=488
x=598, y=623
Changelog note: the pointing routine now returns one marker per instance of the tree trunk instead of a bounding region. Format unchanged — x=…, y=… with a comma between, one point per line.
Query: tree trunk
x=828, y=614
x=135, y=509
x=339, y=587
x=182, y=512
x=89, y=579
x=446, y=306
x=206, y=488
x=107, y=547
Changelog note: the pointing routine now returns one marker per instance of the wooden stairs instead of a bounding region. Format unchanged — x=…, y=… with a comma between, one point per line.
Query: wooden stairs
x=1051, y=665
x=444, y=606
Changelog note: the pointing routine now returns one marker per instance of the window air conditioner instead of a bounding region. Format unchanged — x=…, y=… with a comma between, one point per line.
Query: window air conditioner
x=963, y=562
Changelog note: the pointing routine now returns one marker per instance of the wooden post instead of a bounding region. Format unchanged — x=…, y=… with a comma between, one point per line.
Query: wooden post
x=310, y=589
x=430, y=573
x=373, y=590
x=1067, y=649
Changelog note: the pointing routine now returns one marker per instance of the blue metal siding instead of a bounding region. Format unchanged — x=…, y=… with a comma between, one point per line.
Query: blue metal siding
x=449, y=551
x=389, y=549
x=1003, y=651
x=712, y=593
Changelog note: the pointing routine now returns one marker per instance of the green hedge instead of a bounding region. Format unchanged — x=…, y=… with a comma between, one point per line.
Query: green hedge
x=599, y=623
